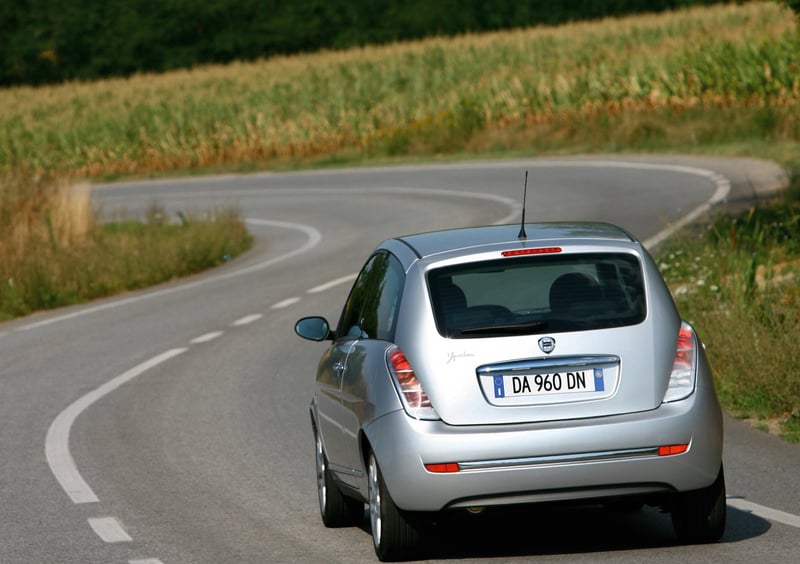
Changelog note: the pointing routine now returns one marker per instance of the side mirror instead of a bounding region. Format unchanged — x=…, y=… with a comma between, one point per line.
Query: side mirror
x=314, y=329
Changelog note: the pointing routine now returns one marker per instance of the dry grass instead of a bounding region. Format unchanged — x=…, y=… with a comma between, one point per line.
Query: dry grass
x=39, y=207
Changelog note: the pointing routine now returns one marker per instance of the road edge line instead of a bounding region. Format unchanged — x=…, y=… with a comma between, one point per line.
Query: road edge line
x=56, y=445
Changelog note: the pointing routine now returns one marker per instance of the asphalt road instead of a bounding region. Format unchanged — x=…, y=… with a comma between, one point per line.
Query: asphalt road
x=171, y=425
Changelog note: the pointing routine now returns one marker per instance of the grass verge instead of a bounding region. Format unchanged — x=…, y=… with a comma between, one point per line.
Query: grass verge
x=55, y=252
x=737, y=280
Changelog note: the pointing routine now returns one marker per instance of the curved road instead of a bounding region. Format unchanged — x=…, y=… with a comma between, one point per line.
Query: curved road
x=171, y=425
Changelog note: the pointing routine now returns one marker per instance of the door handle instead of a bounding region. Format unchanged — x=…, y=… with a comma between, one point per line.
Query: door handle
x=338, y=368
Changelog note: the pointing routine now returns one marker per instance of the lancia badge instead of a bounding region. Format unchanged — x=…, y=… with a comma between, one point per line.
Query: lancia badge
x=547, y=344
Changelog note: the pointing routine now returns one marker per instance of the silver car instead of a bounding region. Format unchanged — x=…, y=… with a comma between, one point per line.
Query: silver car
x=490, y=366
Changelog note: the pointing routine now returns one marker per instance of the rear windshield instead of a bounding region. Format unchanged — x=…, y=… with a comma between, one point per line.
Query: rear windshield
x=537, y=294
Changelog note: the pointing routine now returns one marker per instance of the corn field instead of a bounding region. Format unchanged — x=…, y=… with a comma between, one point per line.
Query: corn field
x=423, y=97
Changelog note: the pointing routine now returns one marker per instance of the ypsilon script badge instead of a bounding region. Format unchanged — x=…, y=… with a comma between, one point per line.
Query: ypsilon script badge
x=547, y=344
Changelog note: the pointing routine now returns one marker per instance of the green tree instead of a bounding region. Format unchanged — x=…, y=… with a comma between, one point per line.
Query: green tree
x=45, y=41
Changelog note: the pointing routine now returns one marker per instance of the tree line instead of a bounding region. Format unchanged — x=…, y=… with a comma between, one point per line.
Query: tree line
x=50, y=41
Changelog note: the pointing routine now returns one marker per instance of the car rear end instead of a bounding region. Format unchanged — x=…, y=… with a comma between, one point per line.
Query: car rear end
x=549, y=369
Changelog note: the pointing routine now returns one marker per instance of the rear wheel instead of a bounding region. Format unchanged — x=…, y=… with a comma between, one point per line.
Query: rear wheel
x=699, y=516
x=393, y=536
x=335, y=508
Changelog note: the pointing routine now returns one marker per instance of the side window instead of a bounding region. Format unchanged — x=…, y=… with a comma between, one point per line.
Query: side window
x=387, y=303
x=371, y=308
x=350, y=321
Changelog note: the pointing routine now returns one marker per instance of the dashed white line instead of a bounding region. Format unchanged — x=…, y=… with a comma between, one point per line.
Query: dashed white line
x=109, y=529
x=765, y=512
x=332, y=283
x=146, y=561
x=56, y=446
x=246, y=320
x=285, y=303
x=206, y=338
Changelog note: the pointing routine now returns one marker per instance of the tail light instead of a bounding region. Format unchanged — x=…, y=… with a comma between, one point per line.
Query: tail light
x=536, y=251
x=415, y=400
x=671, y=450
x=684, y=366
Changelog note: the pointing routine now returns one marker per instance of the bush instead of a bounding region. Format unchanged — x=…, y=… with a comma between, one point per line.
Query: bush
x=40, y=43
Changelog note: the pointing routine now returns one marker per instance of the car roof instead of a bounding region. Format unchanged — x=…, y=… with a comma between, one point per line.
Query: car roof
x=469, y=240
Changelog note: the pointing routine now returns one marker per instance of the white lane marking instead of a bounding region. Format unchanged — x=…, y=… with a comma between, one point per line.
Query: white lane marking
x=723, y=186
x=285, y=303
x=247, y=320
x=145, y=561
x=109, y=529
x=56, y=446
x=206, y=338
x=765, y=512
x=313, y=239
x=332, y=283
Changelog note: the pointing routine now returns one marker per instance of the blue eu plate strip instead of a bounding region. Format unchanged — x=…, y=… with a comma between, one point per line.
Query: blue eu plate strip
x=499, y=387
x=599, y=386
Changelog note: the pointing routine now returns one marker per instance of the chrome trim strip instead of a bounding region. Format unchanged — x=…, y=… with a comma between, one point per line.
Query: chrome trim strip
x=582, y=457
x=580, y=494
x=344, y=470
x=540, y=363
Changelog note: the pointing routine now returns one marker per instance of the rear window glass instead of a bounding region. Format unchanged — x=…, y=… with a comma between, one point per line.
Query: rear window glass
x=539, y=294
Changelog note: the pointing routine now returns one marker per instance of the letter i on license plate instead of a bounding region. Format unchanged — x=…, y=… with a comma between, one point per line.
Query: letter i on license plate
x=570, y=381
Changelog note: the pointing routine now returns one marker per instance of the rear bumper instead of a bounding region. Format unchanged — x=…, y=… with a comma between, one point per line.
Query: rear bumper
x=543, y=462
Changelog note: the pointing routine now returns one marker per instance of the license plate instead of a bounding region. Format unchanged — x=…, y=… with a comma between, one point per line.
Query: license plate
x=588, y=380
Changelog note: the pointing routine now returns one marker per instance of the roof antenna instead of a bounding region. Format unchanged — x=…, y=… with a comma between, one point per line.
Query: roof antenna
x=522, y=235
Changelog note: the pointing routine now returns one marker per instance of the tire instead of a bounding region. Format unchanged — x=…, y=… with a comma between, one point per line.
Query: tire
x=336, y=509
x=699, y=516
x=393, y=535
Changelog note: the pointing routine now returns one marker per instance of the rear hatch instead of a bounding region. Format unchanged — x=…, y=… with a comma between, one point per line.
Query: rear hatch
x=543, y=338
